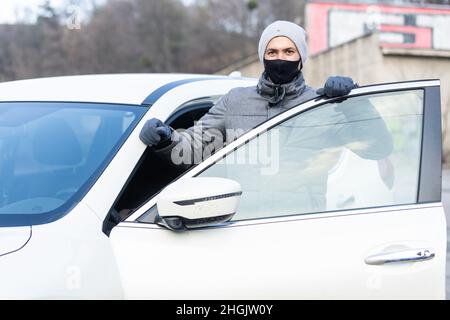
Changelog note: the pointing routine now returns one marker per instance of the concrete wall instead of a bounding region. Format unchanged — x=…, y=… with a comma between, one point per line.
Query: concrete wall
x=360, y=59
x=253, y=70
x=250, y=67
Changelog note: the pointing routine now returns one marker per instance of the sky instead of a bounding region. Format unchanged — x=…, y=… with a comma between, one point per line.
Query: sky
x=26, y=10
x=11, y=9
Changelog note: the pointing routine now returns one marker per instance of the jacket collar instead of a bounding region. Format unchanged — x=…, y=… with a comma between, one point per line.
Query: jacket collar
x=275, y=93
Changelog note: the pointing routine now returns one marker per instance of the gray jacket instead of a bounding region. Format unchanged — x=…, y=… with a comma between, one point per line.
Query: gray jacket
x=240, y=110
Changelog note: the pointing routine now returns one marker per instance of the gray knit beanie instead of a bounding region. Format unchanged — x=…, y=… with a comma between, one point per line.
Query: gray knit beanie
x=287, y=29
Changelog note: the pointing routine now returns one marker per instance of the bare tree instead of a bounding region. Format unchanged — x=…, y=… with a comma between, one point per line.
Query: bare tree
x=139, y=36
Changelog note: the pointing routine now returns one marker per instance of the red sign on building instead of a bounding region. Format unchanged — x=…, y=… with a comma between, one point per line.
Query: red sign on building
x=332, y=23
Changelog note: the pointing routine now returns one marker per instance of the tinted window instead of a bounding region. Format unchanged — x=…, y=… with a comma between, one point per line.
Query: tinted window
x=363, y=152
x=51, y=153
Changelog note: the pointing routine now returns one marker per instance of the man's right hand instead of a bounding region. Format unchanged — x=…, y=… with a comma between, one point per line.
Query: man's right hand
x=155, y=133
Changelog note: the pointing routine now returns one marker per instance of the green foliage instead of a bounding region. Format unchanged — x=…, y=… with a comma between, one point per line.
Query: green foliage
x=146, y=62
x=252, y=4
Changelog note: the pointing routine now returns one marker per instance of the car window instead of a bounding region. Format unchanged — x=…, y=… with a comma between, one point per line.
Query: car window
x=151, y=173
x=359, y=153
x=189, y=112
x=51, y=153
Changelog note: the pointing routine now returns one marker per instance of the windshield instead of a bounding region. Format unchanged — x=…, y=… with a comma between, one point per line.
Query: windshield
x=52, y=153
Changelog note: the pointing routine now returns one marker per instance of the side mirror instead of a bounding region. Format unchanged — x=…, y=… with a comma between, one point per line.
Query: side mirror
x=197, y=202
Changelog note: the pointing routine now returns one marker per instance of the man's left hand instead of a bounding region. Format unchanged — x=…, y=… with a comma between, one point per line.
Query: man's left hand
x=337, y=86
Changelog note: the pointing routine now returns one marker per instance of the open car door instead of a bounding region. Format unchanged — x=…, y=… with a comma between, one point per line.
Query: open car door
x=346, y=203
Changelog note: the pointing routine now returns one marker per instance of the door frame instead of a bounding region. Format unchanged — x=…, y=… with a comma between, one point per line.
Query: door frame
x=429, y=190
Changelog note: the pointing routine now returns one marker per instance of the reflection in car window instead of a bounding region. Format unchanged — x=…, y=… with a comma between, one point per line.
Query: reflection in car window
x=51, y=153
x=360, y=153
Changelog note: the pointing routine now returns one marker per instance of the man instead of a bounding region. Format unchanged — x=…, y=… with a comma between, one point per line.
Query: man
x=282, y=50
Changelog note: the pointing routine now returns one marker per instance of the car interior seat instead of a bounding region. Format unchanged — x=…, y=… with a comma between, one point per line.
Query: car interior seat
x=57, y=153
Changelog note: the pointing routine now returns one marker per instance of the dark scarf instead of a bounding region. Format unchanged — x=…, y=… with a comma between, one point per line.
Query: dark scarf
x=275, y=93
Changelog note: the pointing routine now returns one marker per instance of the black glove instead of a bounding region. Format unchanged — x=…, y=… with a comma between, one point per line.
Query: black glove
x=155, y=133
x=337, y=86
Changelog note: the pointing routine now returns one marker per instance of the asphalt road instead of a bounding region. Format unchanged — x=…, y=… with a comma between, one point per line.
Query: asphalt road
x=446, y=203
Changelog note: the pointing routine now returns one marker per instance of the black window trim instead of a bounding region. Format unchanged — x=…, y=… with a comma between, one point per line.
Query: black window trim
x=193, y=105
x=430, y=176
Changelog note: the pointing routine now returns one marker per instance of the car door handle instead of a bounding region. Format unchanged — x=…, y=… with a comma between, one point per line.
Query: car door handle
x=413, y=255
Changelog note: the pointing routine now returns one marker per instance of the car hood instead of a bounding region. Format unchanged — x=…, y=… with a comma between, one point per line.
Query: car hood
x=13, y=239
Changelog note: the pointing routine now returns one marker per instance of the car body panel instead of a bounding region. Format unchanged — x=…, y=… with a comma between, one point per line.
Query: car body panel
x=118, y=88
x=309, y=258
x=13, y=239
x=66, y=259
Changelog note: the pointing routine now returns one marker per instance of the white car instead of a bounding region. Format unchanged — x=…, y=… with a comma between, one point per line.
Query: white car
x=88, y=211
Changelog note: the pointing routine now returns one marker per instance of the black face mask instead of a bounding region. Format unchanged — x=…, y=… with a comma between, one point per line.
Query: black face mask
x=281, y=71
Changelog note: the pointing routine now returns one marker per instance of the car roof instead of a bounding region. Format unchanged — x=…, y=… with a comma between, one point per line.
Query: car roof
x=105, y=88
